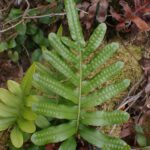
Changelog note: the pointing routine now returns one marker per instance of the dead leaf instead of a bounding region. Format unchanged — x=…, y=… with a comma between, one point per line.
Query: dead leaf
x=102, y=11
x=127, y=129
x=141, y=24
x=145, y=64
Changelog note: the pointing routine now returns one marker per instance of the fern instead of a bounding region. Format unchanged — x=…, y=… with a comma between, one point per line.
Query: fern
x=77, y=97
x=14, y=111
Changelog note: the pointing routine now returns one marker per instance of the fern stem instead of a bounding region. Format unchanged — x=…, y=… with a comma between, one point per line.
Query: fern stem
x=80, y=91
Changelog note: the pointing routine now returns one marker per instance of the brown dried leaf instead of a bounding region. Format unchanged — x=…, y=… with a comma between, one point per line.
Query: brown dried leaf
x=102, y=11
x=127, y=9
x=116, y=15
x=141, y=24
x=127, y=129
x=145, y=63
x=91, y=15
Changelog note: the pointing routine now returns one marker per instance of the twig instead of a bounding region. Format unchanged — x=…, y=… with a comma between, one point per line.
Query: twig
x=82, y=11
x=131, y=100
x=13, y=26
x=7, y=7
x=24, y=16
x=22, y=20
x=26, y=11
x=47, y=15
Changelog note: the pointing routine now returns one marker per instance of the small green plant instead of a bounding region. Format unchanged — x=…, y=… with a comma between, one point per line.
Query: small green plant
x=73, y=112
x=15, y=112
x=27, y=36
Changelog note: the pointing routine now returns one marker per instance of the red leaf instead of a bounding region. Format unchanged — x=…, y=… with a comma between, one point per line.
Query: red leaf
x=141, y=24
x=116, y=15
x=102, y=12
x=91, y=15
x=127, y=9
x=49, y=147
x=137, y=3
x=146, y=1
x=120, y=26
x=146, y=10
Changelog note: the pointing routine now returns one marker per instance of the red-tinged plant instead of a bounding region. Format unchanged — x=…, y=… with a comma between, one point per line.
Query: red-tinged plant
x=96, y=10
x=133, y=16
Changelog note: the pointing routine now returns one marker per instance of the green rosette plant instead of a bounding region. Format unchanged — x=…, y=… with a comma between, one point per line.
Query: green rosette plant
x=14, y=110
x=73, y=112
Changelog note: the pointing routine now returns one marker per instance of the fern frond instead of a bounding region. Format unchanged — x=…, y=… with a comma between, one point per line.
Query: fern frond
x=101, y=58
x=61, y=49
x=55, y=110
x=77, y=93
x=95, y=40
x=26, y=82
x=105, y=94
x=68, y=144
x=61, y=66
x=74, y=24
x=102, y=118
x=43, y=70
x=70, y=44
x=47, y=84
x=54, y=134
x=101, y=140
x=105, y=75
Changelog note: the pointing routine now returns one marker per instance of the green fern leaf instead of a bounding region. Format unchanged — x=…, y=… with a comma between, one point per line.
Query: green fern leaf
x=105, y=94
x=101, y=58
x=100, y=140
x=69, y=144
x=70, y=44
x=61, y=66
x=102, y=118
x=54, y=134
x=73, y=21
x=42, y=122
x=54, y=110
x=47, y=84
x=61, y=49
x=74, y=92
x=95, y=40
x=105, y=75
x=26, y=83
x=43, y=70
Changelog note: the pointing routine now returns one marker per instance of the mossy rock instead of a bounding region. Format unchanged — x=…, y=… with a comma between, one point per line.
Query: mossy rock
x=132, y=70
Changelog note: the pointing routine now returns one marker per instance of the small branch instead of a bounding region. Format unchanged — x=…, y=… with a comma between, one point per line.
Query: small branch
x=24, y=16
x=47, y=15
x=22, y=20
x=13, y=26
x=26, y=11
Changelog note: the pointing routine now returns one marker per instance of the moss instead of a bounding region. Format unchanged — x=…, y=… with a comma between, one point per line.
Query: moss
x=132, y=71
